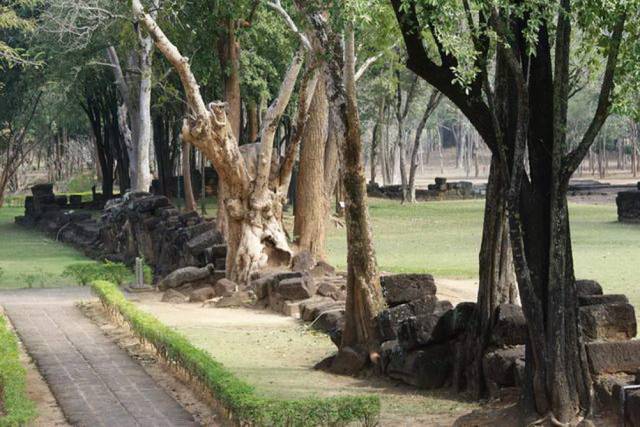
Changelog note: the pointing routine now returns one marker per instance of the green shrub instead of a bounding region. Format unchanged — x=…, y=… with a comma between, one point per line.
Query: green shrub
x=115, y=272
x=82, y=273
x=238, y=397
x=1, y=273
x=18, y=410
x=85, y=273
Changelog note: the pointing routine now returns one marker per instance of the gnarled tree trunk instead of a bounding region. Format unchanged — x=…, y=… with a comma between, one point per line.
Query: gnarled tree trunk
x=253, y=209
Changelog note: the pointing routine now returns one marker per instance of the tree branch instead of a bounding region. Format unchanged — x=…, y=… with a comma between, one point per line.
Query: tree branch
x=572, y=160
x=277, y=6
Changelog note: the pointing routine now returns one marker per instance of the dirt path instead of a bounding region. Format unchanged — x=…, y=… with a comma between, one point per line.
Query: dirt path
x=95, y=382
x=276, y=354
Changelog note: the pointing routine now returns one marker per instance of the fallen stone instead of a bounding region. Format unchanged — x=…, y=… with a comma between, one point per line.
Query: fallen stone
x=499, y=367
x=263, y=284
x=602, y=299
x=225, y=287
x=295, y=289
x=330, y=290
x=311, y=306
x=608, y=322
x=418, y=331
x=389, y=319
x=303, y=261
x=607, y=390
x=185, y=275
x=238, y=299
x=403, y=288
x=427, y=368
x=588, y=287
x=510, y=326
x=323, y=269
x=199, y=243
x=349, y=361
x=614, y=356
x=202, y=294
x=174, y=297
x=454, y=322
x=329, y=320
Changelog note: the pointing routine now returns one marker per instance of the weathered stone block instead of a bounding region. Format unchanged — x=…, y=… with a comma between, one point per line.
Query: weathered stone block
x=303, y=261
x=427, y=368
x=608, y=321
x=186, y=275
x=418, y=331
x=499, y=367
x=403, y=288
x=389, y=320
x=510, y=326
x=202, y=294
x=225, y=287
x=309, y=307
x=602, y=299
x=174, y=297
x=614, y=356
x=588, y=287
x=295, y=289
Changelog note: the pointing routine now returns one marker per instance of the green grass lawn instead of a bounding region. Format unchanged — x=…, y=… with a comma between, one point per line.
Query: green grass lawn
x=443, y=238
x=30, y=256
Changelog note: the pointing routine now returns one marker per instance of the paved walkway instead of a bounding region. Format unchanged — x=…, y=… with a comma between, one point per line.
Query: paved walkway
x=95, y=382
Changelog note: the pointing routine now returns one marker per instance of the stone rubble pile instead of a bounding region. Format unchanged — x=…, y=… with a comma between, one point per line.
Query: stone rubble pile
x=135, y=225
x=441, y=190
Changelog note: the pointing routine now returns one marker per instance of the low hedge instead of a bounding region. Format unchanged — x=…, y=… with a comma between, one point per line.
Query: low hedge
x=235, y=395
x=17, y=409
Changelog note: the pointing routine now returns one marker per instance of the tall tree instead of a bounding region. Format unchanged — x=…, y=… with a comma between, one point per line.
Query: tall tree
x=360, y=340
x=527, y=75
x=253, y=203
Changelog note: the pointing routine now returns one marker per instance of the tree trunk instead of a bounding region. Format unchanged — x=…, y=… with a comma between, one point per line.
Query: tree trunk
x=431, y=106
x=189, y=199
x=311, y=202
x=364, y=293
x=143, y=143
x=229, y=56
x=377, y=138
x=253, y=124
x=497, y=285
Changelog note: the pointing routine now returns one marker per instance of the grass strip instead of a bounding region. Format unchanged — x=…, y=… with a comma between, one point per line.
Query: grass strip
x=237, y=397
x=17, y=409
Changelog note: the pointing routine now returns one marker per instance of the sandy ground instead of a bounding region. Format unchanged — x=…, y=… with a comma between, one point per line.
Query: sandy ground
x=199, y=406
x=276, y=354
x=49, y=413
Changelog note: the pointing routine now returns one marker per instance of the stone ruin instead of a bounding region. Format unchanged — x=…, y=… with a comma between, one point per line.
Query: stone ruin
x=629, y=206
x=135, y=225
x=441, y=190
x=422, y=335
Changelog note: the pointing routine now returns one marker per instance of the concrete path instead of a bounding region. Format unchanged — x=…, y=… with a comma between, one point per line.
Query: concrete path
x=95, y=382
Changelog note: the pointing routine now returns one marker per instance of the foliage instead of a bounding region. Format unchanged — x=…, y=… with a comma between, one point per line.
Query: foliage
x=245, y=406
x=81, y=183
x=84, y=274
x=15, y=20
x=33, y=277
x=18, y=409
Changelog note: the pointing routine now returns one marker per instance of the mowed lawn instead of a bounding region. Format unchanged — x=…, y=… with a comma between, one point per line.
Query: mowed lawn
x=28, y=256
x=443, y=238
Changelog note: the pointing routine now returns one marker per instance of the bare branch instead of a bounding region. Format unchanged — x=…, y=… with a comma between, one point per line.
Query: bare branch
x=277, y=6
